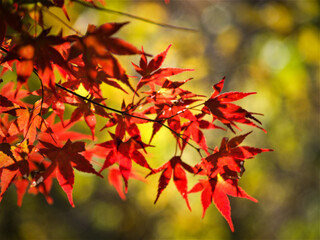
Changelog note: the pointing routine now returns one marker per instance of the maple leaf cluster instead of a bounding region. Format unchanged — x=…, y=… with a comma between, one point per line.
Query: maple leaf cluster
x=37, y=145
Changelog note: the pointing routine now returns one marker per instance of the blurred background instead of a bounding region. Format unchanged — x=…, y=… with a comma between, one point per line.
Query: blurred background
x=269, y=47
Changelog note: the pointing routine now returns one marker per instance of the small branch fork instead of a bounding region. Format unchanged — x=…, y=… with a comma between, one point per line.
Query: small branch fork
x=130, y=115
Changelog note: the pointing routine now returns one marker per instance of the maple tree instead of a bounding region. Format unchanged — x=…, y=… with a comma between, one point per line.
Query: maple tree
x=37, y=146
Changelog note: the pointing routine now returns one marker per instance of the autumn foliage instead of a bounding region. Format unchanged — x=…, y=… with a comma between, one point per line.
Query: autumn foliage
x=37, y=146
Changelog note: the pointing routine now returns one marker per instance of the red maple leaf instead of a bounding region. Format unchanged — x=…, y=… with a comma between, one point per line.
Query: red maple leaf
x=221, y=108
x=228, y=160
x=57, y=133
x=115, y=179
x=8, y=91
x=28, y=121
x=13, y=163
x=56, y=99
x=217, y=190
x=176, y=167
x=97, y=47
x=39, y=53
x=169, y=104
x=5, y=104
x=192, y=130
x=127, y=122
x=123, y=153
x=38, y=184
x=222, y=169
x=64, y=159
x=29, y=181
x=151, y=73
x=85, y=109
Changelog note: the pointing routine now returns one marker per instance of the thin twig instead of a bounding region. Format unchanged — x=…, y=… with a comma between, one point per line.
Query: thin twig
x=99, y=104
x=3, y=49
x=134, y=17
x=182, y=111
x=129, y=115
x=60, y=20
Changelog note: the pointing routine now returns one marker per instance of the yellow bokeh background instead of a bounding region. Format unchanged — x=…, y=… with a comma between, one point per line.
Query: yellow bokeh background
x=268, y=47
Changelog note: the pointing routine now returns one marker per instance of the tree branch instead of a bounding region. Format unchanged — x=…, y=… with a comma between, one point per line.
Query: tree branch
x=133, y=16
x=116, y=110
x=130, y=115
